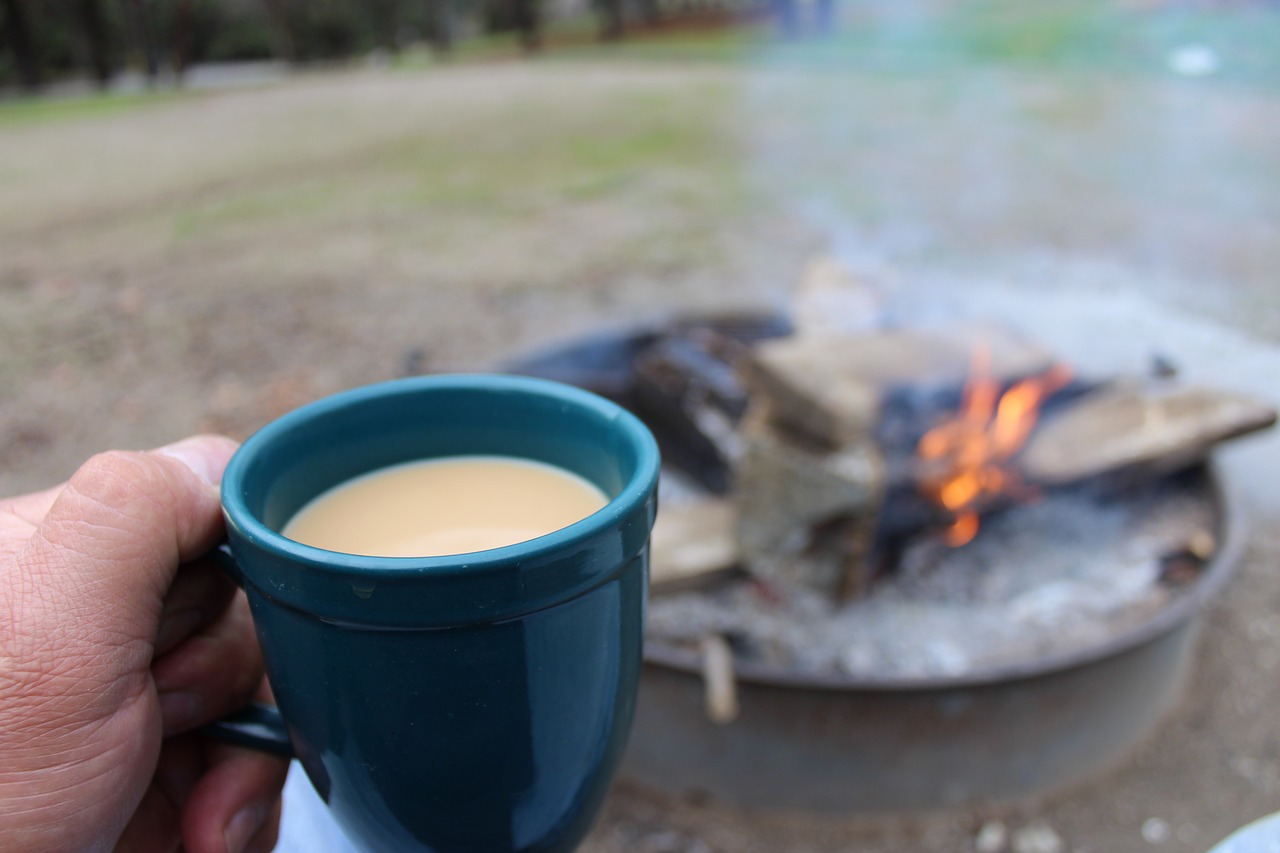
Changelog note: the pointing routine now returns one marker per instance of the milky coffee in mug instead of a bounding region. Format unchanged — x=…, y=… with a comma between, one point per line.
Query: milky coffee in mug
x=450, y=505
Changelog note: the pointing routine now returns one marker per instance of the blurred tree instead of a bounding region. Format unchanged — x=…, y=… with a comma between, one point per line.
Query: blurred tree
x=46, y=39
x=441, y=24
x=180, y=38
x=333, y=30
x=93, y=25
x=384, y=17
x=25, y=53
x=528, y=23
x=650, y=12
x=611, y=19
x=145, y=34
x=521, y=16
x=285, y=45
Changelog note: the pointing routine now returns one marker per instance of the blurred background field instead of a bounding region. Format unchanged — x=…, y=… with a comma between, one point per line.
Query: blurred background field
x=280, y=231
x=105, y=40
x=276, y=200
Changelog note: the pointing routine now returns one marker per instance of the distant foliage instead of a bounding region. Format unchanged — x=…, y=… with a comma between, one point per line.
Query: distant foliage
x=54, y=39
x=43, y=41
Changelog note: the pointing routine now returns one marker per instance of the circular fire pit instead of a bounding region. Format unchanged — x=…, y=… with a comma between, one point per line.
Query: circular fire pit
x=890, y=745
x=900, y=742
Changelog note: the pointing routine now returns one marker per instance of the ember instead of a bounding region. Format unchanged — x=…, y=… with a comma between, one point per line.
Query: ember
x=965, y=458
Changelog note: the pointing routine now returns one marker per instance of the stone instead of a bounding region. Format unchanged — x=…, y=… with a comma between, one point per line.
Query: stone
x=991, y=838
x=1038, y=838
x=1156, y=830
x=830, y=388
x=1153, y=430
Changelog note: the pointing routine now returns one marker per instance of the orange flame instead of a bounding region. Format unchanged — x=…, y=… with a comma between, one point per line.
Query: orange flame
x=966, y=456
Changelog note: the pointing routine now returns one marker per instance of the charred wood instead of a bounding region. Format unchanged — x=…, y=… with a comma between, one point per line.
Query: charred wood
x=1138, y=430
x=693, y=545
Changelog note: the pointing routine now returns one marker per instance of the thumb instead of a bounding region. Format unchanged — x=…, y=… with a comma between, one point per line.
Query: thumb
x=98, y=566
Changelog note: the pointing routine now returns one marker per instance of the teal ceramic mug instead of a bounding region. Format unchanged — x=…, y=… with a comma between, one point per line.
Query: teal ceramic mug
x=477, y=702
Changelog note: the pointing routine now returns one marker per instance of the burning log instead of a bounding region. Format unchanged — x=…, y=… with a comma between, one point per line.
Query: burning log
x=965, y=461
x=994, y=452
x=830, y=389
x=835, y=448
x=826, y=501
x=687, y=386
x=681, y=378
x=814, y=481
x=1137, y=430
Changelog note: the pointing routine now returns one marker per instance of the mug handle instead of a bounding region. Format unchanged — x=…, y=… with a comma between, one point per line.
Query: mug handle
x=256, y=726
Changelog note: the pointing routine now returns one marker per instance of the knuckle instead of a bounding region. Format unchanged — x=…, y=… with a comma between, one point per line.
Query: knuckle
x=117, y=478
x=116, y=504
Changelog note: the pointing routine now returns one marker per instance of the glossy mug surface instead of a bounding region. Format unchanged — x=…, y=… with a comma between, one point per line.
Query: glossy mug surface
x=476, y=702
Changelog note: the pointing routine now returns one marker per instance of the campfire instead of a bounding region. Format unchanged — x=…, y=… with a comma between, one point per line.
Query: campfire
x=900, y=567
x=967, y=459
x=847, y=495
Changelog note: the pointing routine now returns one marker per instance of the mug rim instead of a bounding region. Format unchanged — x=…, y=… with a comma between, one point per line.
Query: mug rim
x=470, y=564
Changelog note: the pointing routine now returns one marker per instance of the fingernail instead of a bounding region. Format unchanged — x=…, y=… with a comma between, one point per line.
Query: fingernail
x=199, y=455
x=176, y=627
x=241, y=828
x=179, y=711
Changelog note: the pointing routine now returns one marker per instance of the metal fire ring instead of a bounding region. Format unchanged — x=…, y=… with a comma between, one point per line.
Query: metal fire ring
x=860, y=745
x=839, y=743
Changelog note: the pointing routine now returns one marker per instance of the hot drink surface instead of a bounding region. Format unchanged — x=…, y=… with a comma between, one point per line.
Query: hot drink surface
x=451, y=505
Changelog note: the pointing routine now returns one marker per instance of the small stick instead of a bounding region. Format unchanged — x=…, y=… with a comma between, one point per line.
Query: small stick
x=718, y=677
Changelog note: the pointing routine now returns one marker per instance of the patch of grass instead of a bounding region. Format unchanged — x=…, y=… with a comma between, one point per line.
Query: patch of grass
x=256, y=203
x=488, y=170
x=27, y=111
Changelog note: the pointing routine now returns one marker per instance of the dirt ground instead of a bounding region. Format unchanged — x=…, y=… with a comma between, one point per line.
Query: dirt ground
x=208, y=261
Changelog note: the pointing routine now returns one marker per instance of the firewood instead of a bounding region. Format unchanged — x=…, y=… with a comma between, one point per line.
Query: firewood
x=686, y=387
x=1137, y=430
x=693, y=545
x=788, y=493
x=829, y=389
x=719, y=681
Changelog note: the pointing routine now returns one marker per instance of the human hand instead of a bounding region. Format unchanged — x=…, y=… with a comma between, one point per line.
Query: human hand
x=116, y=644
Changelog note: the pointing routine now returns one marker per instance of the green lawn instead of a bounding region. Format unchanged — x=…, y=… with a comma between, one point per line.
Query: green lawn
x=17, y=112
